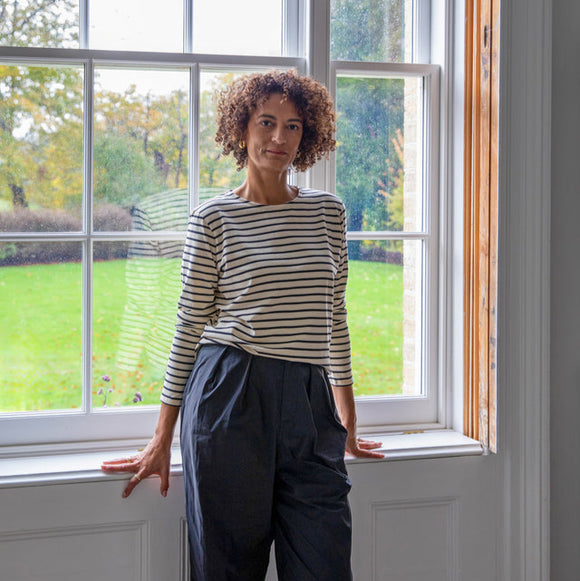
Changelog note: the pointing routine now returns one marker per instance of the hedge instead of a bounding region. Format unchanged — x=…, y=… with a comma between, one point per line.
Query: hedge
x=106, y=218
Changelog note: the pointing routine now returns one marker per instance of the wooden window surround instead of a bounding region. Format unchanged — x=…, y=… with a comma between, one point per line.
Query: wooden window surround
x=481, y=218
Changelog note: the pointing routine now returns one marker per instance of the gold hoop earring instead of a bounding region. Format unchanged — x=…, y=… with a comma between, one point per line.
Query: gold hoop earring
x=297, y=154
x=242, y=144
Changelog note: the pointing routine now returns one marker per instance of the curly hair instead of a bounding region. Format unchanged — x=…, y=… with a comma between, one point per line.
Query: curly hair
x=313, y=103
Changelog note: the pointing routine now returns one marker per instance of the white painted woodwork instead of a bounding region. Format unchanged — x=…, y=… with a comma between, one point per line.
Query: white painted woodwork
x=112, y=551
x=413, y=520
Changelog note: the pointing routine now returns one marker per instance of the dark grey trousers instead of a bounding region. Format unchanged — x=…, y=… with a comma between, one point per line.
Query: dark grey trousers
x=263, y=460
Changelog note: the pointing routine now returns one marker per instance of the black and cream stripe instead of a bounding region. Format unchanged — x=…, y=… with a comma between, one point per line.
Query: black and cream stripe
x=148, y=322
x=268, y=279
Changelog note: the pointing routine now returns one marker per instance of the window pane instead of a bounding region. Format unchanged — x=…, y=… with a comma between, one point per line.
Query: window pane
x=140, y=149
x=216, y=172
x=40, y=326
x=43, y=23
x=41, y=160
x=143, y=25
x=252, y=27
x=384, y=301
x=378, y=158
x=136, y=288
x=371, y=30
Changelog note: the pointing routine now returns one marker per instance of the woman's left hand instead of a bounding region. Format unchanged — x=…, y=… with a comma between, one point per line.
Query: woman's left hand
x=361, y=448
x=357, y=447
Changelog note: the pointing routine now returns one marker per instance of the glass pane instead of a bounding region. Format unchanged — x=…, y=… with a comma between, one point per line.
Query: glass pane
x=378, y=158
x=216, y=172
x=41, y=145
x=371, y=30
x=136, y=25
x=40, y=326
x=135, y=292
x=40, y=23
x=384, y=301
x=140, y=149
x=252, y=27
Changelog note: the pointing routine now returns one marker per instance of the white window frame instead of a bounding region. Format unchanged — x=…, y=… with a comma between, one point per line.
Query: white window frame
x=378, y=411
x=433, y=35
x=308, y=34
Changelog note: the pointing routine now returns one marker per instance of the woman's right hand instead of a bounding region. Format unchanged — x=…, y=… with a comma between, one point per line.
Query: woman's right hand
x=155, y=458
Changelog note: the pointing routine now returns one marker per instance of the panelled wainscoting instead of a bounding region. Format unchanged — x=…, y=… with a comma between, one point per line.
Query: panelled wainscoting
x=413, y=520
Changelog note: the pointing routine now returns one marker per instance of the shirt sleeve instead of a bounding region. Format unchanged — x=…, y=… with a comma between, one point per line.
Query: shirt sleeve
x=340, y=372
x=196, y=307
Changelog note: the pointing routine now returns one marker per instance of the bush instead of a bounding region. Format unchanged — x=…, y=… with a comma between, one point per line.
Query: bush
x=376, y=253
x=112, y=218
x=106, y=218
x=25, y=220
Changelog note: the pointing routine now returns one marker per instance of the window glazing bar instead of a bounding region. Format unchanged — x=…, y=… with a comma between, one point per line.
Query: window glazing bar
x=87, y=212
x=293, y=27
x=194, y=117
x=102, y=236
x=147, y=58
x=84, y=24
x=381, y=235
x=188, y=26
x=372, y=69
x=421, y=31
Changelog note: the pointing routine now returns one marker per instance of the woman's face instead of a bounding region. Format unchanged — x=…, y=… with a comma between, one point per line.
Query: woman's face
x=273, y=135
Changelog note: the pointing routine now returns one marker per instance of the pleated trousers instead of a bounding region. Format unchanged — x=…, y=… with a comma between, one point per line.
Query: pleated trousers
x=263, y=461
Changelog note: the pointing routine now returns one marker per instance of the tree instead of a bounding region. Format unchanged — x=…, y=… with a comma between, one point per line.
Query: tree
x=168, y=140
x=392, y=190
x=370, y=113
x=40, y=111
x=216, y=171
x=123, y=174
x=392, y=186
x=370, y=110
x=157, y=125
x=44, y=23
x=367, y=31
x=36, y=103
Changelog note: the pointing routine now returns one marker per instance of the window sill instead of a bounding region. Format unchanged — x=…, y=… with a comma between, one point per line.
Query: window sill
x=76, y=467
x=422, y=444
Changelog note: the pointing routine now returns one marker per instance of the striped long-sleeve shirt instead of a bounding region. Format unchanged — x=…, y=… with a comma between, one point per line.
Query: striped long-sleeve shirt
x=267, y=279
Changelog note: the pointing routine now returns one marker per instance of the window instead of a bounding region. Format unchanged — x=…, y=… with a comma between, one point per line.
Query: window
x=106, y=129
x=385, y=169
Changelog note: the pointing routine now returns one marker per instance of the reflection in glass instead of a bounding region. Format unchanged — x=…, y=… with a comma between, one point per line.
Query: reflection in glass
x=135, y=295
x=40, y=23
x=378, y=163
x=41, y=148
x=40, y=326
x=216, y=172
x=145, y=25
x=384, y=298
x=251, y=27
x=371, y=30
x=140, y=149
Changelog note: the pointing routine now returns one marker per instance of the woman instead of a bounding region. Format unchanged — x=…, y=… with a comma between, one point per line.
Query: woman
x=261, y=352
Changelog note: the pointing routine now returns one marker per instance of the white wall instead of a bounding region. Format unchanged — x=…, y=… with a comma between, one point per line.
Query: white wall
x=565, y=293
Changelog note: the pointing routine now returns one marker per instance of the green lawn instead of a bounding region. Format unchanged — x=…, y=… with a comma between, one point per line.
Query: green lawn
x=375, y=320
x=41, y=330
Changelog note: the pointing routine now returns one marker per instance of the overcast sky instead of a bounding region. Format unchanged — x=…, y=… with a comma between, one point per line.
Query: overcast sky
x=222, y=26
